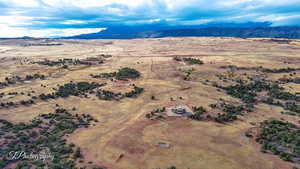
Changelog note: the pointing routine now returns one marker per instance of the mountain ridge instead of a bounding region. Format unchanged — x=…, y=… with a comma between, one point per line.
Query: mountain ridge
x=289, y=32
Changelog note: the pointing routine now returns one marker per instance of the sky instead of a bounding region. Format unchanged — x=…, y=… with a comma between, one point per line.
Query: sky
x=56, y=18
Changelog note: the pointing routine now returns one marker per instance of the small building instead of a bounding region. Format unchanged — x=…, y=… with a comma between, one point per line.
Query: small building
x=179, y=110
x=164, y=145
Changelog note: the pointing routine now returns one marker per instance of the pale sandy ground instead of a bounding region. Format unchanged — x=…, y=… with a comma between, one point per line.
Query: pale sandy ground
x=123, y=128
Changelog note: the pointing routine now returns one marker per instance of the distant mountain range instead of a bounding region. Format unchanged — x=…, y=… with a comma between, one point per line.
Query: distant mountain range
x=24, y=37
x=159, y=30
x=242, y=32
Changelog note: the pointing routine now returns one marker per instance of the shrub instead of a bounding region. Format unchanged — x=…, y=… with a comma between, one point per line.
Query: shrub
x=108, y=95
x=231, y=112
x=198, y=112
x=282, y=70
x=193, y=61
x=135, y=92
x=72, y=89
x=77, y=153
x=127, y=73
x=47, y=131
x=104, y=75
x=280, y=138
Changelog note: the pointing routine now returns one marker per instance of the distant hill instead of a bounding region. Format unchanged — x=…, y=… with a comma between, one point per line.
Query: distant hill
x=243, y=32
x=24, y=37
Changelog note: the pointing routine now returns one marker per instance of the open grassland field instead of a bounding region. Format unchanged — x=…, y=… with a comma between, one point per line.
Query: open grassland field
x=245, y=94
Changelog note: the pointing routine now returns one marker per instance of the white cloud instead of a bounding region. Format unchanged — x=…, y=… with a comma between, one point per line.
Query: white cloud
x=170, y=4
x=73, y=22
x=16, y=26
x=16, y=20
x=278, y=17
x=66, y=32
x=229, y=3
x=93, y=3
x=197, y=22
x=7, y=31
x=22, y=3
